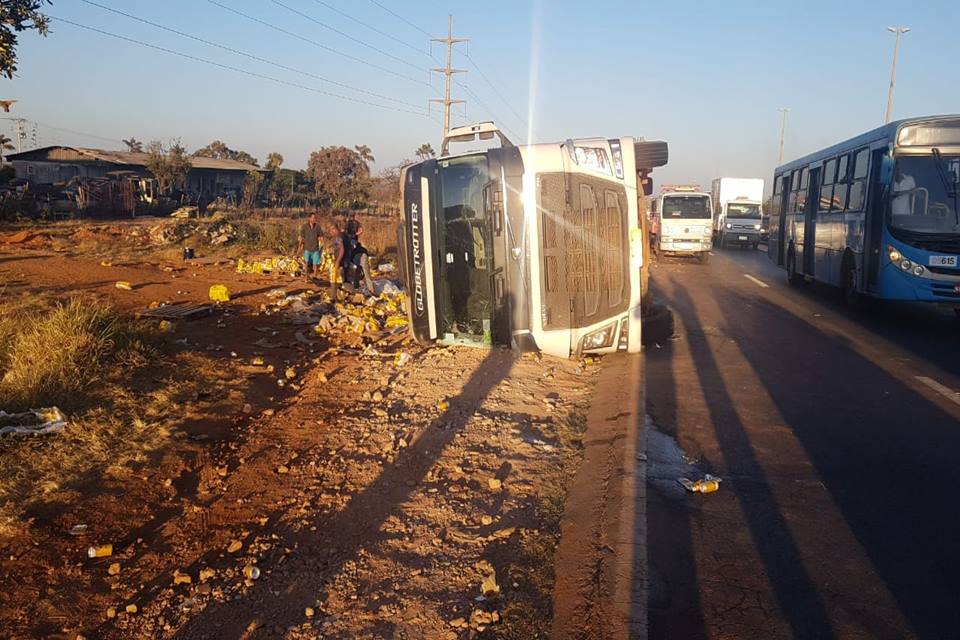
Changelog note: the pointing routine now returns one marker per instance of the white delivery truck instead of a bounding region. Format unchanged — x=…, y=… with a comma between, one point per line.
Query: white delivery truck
x=739, y=214
x=683, y=219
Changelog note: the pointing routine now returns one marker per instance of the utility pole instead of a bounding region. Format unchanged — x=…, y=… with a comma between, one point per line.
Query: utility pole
x=21, y=134
x=893, y=69
x=448, y=71
x=783, y=128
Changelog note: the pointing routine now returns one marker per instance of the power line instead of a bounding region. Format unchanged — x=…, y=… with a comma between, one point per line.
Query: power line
x=236, y=69
x=401, y=18
x=372, y=28
x=315, y=43
x=73, y=131
x=492, y=86
x=345, y=35
x=502, y=124
x=475, y=66
x=250, y=55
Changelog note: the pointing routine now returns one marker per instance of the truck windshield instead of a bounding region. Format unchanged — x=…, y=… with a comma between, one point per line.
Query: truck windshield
x=743, y=210
x=686, y=207
x=924, y=193
x=466, y=308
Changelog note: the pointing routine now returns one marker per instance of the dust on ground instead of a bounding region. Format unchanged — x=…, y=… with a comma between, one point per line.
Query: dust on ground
x=356, y=495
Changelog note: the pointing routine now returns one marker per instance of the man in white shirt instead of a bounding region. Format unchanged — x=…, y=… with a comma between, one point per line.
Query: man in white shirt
x=903, y=186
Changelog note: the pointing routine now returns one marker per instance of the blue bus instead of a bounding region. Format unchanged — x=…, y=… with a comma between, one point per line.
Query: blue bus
x=876, y=215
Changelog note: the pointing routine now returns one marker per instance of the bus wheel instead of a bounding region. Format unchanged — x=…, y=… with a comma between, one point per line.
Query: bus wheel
x=851, y=297
x=793, y=277
x=704, y=257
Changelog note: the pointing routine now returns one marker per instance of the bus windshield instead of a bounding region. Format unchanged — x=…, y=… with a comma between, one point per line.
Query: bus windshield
x=686, y=207
x=743, y=210
x=924, y=194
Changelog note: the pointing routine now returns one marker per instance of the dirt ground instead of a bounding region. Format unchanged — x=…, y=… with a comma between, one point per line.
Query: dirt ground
x=350, y=497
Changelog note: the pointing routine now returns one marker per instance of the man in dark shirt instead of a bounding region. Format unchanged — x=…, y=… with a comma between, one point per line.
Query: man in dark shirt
x=309, y=244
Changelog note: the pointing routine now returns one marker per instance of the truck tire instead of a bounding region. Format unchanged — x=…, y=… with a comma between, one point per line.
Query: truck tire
x=704, y=257
x=650, y=154
x=657, y=325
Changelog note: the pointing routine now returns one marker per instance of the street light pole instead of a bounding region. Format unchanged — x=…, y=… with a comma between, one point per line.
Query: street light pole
x=893, y=69
x=783, y=128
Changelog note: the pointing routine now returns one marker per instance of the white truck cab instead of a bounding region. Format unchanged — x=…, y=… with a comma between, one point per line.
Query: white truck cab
x=683, y=218
x=739, y=219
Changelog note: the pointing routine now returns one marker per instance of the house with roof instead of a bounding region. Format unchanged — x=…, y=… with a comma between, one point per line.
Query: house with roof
x=59, y=165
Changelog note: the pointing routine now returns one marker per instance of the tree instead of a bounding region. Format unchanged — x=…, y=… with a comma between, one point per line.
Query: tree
x=251, y=188
x=385, y=188
x=274, y=160
x=365, y=153
x=6, y=144
x=221, y=151
x=425, y=151
x=133, y=145
x=17, y=16
x=341, y=177
x=168, y=163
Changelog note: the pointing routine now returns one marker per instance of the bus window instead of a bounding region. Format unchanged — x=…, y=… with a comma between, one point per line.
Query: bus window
x=827, y=179
x=794, y=182
x=858, y=185
x=802, y=190
x=839, y=201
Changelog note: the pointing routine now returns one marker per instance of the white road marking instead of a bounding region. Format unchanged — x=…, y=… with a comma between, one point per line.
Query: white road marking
x=946, y=392
x=757, y=281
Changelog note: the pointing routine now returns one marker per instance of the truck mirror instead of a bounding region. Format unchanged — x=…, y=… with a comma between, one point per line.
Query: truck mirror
x=647, y=187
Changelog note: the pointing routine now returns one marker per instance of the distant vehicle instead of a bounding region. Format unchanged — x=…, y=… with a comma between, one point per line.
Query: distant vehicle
x=876, y=215
x=538, y=246
x=738, y=206
x=684, y=221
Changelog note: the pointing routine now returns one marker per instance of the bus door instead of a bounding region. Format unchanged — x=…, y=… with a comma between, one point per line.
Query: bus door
x=810, y=222
x=873, y=220
x=782, y=224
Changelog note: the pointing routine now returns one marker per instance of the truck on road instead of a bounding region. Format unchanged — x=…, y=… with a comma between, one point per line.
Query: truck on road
x=536, y=246
x=683, y=217
x=739, y=211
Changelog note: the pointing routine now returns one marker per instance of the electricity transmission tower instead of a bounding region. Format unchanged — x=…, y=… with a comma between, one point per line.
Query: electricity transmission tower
x=448, y=72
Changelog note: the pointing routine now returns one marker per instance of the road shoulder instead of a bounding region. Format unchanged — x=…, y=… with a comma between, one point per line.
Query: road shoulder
x=601, y=586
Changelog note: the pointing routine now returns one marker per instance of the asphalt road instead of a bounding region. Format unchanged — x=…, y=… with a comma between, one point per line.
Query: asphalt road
x=837, y=436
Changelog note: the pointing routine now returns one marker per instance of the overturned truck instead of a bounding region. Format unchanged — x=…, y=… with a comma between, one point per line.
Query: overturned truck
x=537, y=246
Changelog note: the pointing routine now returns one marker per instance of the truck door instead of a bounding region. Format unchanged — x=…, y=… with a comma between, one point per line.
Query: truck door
x=782, y=219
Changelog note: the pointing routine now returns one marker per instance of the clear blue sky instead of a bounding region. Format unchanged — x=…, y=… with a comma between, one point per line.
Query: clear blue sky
x=705, y=76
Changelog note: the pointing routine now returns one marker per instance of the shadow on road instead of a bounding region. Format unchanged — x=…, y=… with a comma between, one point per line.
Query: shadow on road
x=885, y=453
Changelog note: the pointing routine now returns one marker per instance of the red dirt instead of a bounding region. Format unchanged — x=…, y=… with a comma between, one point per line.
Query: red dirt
x=365, y=501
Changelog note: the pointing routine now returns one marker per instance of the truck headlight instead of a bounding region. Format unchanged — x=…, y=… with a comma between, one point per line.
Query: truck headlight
x=756, y=227
x=598, y=339
x=729, y=226
x=707, y=232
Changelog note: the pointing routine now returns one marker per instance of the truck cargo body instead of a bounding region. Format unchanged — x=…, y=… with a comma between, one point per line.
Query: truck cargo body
x=739, y=211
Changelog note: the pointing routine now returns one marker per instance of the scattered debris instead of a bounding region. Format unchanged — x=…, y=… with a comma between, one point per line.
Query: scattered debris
x=707, y=484
x=235, y=546
x=114, y=569
x=489, y=586
x=251, y=572
x=274, y=264
x=123, y=284
x=37, y=422
x=78, y=529
x=100, y=551
x=219, y=293
x=178, y=311
x=184, y=213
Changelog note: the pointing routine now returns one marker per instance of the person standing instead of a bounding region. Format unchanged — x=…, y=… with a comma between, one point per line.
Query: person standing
x=360, y=259
x=309, y=244
x=337, y=252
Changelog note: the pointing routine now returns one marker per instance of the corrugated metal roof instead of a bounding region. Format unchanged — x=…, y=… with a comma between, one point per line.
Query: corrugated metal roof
x=133, y=158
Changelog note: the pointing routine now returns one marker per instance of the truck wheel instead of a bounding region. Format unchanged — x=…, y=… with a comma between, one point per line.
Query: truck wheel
x=756, y=245
x=704, y=257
